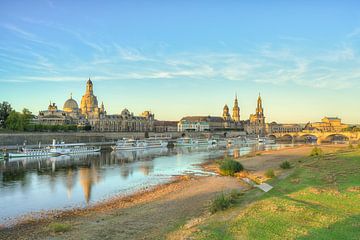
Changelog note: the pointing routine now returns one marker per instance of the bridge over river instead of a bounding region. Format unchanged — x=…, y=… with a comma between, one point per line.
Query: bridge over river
x=318, y=136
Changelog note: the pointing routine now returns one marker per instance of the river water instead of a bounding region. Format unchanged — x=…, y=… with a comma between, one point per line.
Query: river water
x=52, y=183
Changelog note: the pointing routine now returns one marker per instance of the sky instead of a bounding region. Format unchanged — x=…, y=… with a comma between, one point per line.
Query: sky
x=180, y=58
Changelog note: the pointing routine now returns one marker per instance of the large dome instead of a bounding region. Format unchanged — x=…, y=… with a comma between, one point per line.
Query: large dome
x=70, y=105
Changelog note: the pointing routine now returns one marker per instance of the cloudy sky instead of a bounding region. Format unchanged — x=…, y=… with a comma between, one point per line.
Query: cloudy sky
x=179, y=58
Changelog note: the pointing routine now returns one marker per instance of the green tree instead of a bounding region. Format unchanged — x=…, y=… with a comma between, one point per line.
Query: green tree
x=5, y=110
x=27, y=116
x=15, y=121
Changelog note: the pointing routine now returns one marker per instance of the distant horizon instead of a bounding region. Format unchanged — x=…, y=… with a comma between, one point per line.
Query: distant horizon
x=185, y=58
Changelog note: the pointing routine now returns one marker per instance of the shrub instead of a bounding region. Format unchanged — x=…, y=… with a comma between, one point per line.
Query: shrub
x=229, y=167
x=269, y=173
x=285, y=165
x=351, y=146
x=224, y=201
x=220, y=203
x=59, y=227
x=316, y=152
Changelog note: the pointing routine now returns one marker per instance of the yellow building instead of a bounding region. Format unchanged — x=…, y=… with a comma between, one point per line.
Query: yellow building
x=256, y=124
x=236, y=111
x=91, y=114
x=327, y=124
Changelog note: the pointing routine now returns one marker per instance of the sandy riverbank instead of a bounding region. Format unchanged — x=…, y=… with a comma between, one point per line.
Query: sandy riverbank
x=153, y=213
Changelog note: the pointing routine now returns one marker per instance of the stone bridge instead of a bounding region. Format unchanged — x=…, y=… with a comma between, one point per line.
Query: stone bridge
x=319, y=136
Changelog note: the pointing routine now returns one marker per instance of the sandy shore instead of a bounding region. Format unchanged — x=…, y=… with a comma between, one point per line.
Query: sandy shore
x=152, y=213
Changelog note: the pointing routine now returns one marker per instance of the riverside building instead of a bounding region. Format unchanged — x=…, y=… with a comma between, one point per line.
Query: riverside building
x=91, y=114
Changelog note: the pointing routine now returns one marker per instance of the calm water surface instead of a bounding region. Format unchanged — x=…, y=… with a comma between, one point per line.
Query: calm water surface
x=33, y=185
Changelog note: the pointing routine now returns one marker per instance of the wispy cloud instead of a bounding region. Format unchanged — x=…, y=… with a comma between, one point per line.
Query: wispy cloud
x=354, y=33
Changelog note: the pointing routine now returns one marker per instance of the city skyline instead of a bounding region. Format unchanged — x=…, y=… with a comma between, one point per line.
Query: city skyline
x=302, y=58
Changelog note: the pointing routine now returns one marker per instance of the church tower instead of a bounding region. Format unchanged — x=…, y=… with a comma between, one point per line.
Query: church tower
x=89, y=103
x=226, y=114
x=236, y=111
x=259, y=108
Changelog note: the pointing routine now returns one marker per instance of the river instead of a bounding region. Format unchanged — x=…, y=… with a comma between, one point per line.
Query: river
x=52, y=183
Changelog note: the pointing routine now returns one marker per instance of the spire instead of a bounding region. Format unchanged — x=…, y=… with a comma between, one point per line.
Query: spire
x=259, y=109
x=70, y=95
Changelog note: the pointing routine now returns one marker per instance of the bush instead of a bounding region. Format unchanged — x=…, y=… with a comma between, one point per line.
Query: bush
x=269, y=173
x=229, y=167
x=285, y=165
x=224, y=201
x=316, y=152
x=59, y=227
x=351, y=146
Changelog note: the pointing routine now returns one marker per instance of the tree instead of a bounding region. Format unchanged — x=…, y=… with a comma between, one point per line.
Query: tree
x=5, y=110
x=26, y=116
x=15, y=121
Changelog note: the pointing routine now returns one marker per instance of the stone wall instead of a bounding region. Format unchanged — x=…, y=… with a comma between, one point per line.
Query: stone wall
x=13, y=139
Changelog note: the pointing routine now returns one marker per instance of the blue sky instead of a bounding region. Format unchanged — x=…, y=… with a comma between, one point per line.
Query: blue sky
x=179, y=58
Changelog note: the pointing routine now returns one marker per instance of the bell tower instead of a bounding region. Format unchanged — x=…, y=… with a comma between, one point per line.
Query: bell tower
x=236, y=110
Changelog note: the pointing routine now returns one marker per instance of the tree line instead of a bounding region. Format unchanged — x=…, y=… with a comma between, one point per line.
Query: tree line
x=22, y=121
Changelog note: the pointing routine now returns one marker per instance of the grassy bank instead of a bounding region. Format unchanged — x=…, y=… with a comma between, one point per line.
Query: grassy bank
x=318, y=200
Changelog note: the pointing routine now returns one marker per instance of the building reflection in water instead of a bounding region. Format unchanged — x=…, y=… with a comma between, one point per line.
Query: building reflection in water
x=236, y=153
x=147, y=167
x=70, y=182
x=88, y=177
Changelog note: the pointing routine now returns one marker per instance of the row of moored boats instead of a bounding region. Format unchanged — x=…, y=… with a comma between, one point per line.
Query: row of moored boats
x=62, y=148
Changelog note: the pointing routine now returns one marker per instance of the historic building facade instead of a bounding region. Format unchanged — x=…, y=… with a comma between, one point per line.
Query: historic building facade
x=92, y=115
x=213, y=123
x=256, y=124
x=274, y=127
x=200, y=124
x=327, y=124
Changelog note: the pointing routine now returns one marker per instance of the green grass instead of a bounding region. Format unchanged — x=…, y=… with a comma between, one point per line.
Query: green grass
x=318, y=200
x=59, y=227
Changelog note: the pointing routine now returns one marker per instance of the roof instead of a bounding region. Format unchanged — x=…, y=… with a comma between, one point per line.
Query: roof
x=166, y=123
x=202, y=119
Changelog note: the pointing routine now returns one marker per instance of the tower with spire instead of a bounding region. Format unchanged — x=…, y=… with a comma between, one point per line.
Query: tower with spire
x=257, y=121
x=226, y=114
x=236, y=110
x=259, y=108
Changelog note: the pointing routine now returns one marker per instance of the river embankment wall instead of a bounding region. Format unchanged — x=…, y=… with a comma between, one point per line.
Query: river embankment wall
x=31, y=138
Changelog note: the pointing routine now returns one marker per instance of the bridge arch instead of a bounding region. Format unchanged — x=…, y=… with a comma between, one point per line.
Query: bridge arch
x=336, y=137
x=307, y=138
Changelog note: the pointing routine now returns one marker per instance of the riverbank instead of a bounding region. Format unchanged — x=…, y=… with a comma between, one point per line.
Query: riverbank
x=316, y=199
x=152, y=213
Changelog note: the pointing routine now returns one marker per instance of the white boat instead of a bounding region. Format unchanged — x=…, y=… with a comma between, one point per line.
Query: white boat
x=156, y=142
x=203, y=141
x=72, y=148
x=265, y=140
x=186, y=142
x=131, y=144
x=28, y=152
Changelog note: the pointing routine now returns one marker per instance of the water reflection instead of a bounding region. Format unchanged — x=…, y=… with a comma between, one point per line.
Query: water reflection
x=34, y=184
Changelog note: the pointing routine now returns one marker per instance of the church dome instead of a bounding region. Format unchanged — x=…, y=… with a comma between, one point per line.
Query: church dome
x=70, y=105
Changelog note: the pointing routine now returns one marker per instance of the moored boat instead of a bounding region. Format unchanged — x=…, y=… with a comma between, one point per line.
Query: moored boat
x=131, y=144
x=71, y=148
x=28, y=152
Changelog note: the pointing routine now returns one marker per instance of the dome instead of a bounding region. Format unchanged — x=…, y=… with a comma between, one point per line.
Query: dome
x=70, y=105
x=125, y=112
